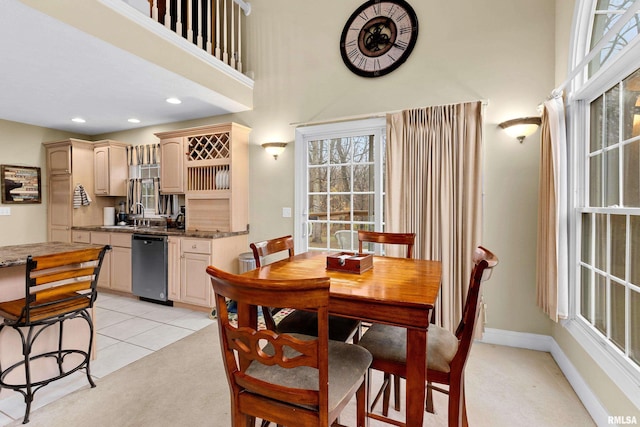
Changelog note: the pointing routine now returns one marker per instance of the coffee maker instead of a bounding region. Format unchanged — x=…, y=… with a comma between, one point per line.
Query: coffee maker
x=181, y=219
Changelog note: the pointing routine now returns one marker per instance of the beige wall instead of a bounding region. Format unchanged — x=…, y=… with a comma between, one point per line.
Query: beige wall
x=20, y=144
x=501, y=51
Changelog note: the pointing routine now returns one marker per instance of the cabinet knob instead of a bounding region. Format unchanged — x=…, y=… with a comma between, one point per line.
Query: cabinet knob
x=194, y=246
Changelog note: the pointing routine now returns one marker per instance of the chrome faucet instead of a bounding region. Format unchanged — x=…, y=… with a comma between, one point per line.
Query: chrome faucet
x=144, y=222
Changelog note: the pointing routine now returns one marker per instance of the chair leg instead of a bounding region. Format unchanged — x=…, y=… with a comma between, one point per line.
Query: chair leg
x=89, y=320
x=361, y=398
x=429, y=404
x=456, y=401
x=396, y=392
x=387, y=394
x=26, y=351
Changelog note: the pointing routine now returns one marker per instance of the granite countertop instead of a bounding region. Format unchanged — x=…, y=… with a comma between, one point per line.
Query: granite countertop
x=161, y=231
x=17, y=254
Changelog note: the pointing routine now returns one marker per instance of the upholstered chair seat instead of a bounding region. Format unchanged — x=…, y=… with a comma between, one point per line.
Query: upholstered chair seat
x=347, y=363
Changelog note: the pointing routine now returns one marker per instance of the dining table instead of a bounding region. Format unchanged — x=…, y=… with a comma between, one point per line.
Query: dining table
x=395, y=291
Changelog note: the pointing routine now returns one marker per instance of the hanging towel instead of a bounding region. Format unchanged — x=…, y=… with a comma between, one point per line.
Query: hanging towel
x=80, y=197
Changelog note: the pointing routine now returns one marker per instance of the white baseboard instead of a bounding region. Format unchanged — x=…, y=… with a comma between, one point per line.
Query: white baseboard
x=548, y=344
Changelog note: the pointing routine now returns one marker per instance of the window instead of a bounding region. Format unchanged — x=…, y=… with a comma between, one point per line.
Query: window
x=610, y=219
x=606, y=14
x=339, y=183
x=148, y=176
x=605, y=111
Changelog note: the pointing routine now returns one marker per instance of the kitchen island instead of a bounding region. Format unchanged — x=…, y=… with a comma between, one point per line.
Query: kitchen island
x=13, y=260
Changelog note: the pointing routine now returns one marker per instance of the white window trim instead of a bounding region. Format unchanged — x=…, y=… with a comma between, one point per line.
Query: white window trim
x=304, y=134
x=624, y=375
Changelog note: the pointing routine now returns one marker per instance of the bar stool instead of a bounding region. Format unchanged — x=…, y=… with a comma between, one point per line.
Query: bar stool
x=58, y=288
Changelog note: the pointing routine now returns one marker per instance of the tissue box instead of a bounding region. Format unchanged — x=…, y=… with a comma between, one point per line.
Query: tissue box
x=349, y=262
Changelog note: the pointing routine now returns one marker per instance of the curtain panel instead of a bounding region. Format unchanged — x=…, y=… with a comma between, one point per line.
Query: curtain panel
x=552, y=277
x=434, y=189
x=143, y=155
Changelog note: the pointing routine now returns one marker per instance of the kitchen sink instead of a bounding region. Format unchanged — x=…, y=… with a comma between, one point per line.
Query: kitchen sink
x=135, y=227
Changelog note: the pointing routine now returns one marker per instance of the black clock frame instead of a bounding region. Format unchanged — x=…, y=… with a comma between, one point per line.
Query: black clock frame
x=371, y=23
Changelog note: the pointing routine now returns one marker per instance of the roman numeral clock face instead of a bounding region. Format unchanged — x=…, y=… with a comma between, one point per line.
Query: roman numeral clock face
x=378, y=37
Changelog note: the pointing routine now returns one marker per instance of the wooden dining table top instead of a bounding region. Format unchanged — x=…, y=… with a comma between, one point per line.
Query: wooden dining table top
x=397, y=291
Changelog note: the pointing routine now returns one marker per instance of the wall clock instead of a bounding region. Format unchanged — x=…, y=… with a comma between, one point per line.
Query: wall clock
x=378, y=37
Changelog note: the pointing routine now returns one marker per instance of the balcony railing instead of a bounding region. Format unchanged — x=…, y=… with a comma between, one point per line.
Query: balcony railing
x=213, y=25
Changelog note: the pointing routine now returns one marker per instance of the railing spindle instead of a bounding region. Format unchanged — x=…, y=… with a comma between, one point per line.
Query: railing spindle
x=199, y=20
x=239, y=56
x=209, y=24
x=179, y=18
x=167, y=14
x=232, y=59
x=225, y=37
x=217, y=51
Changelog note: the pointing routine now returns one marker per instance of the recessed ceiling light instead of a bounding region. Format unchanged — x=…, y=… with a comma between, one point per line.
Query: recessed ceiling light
x=133, y=120
x=78, y=120
x=174, y=101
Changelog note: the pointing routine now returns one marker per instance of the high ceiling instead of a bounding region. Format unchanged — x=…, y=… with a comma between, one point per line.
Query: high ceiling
x=52, y=72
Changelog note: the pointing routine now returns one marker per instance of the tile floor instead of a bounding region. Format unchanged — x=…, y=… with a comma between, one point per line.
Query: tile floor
x=127, y=329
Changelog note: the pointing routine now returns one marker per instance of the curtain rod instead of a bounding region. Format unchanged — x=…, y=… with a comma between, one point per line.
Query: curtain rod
x=624, y=19
x=485, y=102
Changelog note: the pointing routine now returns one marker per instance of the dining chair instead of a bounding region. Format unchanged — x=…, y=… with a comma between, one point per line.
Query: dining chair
x=447, y=352
x=407, y=239
x=288, y=379
x=300, y=321
x=58, y=288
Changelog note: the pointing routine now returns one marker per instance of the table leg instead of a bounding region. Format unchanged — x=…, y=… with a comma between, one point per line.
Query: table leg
x=416, y=376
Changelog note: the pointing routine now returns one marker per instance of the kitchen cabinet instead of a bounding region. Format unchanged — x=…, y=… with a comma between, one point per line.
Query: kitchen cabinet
x=188, y=259
x=120, y=274
x=173, y=268
x=102, y=238
x=215, y=174
x=111, y=170
x=195, y=256
x=70, y=163
x=115, y=273
x=172, y=166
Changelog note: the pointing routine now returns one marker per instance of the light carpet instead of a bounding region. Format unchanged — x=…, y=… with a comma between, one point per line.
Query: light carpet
x=184, y=384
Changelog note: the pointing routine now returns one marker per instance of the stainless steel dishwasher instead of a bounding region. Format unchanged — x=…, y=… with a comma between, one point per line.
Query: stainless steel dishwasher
x=149, y=267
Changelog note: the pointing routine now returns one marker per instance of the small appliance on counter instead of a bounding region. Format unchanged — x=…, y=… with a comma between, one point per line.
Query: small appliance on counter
x=122, y=215
x=181, y=219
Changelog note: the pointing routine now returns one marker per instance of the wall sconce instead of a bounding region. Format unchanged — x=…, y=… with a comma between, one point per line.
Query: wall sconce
x=521, y=128
x=274, y=148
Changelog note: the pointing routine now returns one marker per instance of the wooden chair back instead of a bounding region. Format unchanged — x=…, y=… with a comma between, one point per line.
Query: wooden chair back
x=270, y=247
x=258, y=398
x=484, y=261
x=60, y=283
x=261, y=250
x=407, y=239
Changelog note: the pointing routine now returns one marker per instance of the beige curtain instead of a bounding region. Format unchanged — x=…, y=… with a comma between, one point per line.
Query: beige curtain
x=434, y=189
x=552, y=288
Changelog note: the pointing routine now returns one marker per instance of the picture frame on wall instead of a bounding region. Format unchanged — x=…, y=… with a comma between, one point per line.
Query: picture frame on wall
x=20, y=184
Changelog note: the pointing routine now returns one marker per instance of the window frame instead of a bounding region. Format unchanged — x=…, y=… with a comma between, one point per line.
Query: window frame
x=304, y=134
x=583, y=91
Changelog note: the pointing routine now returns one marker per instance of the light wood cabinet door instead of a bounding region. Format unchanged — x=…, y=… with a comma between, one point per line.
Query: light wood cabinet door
x=196, y=284
x=101, y=171
x=121, y=269
x=110, y=169
x=172, y=166
x=60, y=205
x=173, y=268
x=59, y=160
